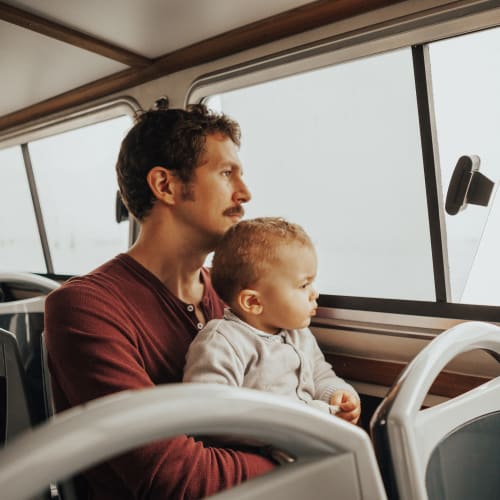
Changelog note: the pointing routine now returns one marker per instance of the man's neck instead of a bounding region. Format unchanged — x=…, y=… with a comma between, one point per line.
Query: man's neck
x=175, y=261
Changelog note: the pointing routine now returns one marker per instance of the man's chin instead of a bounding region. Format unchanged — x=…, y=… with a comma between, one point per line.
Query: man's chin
x=214, y=239
x=216, y=236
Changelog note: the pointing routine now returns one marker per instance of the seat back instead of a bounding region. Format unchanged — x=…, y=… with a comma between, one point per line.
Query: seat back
x=465, y=464
x=449, y=451
x=24, y=319
x=15, y=408
x=46, y=381
x=74, y=488
x=334, y=459
x=15, y=417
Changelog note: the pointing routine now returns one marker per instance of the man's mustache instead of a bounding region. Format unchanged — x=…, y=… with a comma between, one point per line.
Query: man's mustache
x=237, y=210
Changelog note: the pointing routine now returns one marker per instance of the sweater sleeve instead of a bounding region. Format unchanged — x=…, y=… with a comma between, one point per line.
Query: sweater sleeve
x=326, y=382
x=92, y=354
x=212, y=359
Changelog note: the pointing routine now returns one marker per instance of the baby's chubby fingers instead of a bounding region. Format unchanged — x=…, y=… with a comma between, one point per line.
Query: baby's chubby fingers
x=351, y=416
x=337, y=398
x=346, y=400
x=349, y=405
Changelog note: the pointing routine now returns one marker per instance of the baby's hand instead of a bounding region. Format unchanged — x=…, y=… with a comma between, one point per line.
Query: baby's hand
x=348, y=404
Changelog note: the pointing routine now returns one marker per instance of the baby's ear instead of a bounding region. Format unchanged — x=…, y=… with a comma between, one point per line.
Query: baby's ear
x=249, y=301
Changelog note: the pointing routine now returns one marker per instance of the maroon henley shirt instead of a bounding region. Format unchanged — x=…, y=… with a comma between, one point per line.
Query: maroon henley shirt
x=119, y=328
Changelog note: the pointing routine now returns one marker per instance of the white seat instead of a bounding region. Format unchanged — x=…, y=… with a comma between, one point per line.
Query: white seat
x=24, y=318
x=40, y=283
x=432, y=451
x=335, y=459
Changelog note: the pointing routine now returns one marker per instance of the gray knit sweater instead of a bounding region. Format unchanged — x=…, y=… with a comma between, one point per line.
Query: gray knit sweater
x=230, y=351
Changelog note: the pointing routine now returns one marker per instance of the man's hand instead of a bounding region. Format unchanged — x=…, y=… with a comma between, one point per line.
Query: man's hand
x=349, y=405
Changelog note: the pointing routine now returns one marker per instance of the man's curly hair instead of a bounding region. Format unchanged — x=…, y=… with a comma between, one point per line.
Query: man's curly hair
x=171, y=138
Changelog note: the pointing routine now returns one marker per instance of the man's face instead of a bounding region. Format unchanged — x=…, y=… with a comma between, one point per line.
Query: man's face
x=212, y=201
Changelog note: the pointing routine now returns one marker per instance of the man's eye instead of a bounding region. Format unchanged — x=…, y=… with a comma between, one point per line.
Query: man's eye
x=226, y=173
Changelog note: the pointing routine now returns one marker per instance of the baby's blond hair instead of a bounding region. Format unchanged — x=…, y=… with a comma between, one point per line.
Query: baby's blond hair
x=248, y=249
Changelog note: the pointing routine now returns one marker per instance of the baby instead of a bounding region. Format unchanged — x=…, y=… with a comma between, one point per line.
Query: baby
x=264, y=270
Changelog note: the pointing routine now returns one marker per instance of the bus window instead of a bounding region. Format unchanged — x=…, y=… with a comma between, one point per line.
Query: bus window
x=76, y=182
x=465, y=82
x=20, y=247
x=338, y=151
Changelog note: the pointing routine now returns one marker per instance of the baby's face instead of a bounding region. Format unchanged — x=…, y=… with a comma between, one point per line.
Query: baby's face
x=287, y=295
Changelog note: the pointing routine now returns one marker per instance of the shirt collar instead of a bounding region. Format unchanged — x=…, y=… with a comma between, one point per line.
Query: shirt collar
x=230, y=316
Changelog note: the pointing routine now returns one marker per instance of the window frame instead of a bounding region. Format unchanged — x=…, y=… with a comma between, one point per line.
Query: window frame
x=415, y=32
x=58, y=124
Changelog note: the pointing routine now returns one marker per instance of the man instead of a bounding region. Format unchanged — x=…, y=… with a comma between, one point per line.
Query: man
x=128, y=324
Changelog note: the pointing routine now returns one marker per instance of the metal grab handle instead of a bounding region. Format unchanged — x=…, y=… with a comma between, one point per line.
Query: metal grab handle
x=416, y=380
x=83, y=436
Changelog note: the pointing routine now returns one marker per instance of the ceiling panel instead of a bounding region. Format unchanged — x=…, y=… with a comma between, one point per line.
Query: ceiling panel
x=35, y=67
x=155, y=27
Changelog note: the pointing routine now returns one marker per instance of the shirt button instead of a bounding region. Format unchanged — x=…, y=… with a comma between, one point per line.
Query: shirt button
x=199, y=326
x=190, y=308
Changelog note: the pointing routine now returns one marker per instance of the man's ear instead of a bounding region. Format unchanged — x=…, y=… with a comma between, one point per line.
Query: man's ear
x=163, y=183
x=249, y=301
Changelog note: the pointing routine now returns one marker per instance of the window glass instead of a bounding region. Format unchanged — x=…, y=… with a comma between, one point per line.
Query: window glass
x=76, y=180
x=338, y=151
x=465, y=81
x=20, y=247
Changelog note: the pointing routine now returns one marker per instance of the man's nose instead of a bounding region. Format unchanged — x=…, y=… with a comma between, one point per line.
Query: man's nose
x=242, y=193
